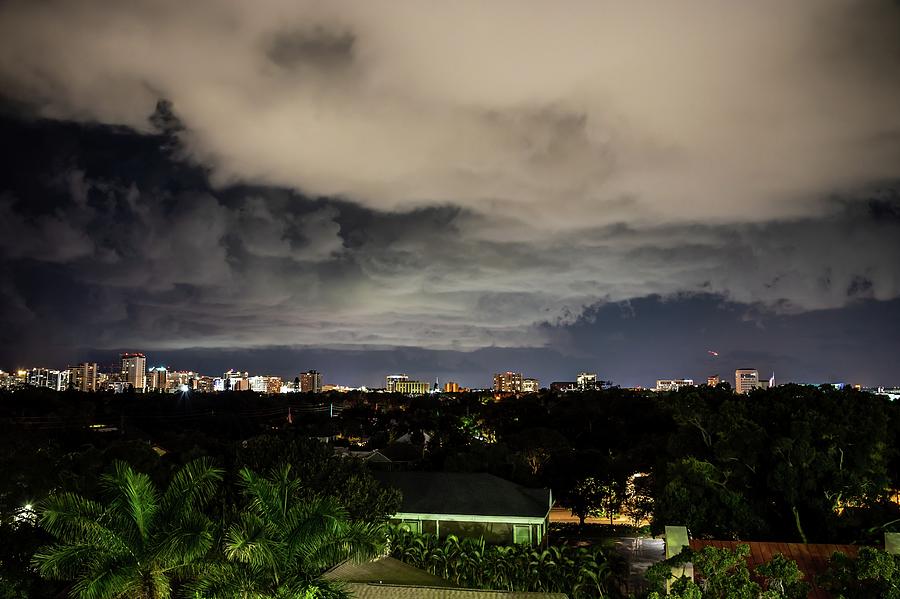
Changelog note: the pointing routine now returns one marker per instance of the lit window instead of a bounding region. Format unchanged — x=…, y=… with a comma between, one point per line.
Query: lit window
x=522, y=534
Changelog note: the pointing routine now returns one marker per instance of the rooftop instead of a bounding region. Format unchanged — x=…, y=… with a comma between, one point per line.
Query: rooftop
x=477, y=494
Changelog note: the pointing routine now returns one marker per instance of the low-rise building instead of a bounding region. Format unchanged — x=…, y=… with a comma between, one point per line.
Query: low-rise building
x=663, y=385
x=471, y=505
x=531, y=385
x=391, y=380
x=412, y=387
x=746, y=380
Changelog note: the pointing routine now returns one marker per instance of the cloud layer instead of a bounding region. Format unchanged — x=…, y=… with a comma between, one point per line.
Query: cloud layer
x=484, y=169
x=592, y=113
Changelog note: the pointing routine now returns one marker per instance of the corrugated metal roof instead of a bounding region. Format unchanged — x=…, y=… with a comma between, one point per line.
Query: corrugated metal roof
x=384, y=591
x=812, y=559
x=385, y=570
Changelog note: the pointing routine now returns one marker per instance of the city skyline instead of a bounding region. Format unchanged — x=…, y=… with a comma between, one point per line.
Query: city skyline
x=307, y=184
x=510, y=380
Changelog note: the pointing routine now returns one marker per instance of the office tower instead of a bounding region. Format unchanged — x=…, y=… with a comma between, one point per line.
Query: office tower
x=37, y=377
x=391, y=380
x=58, y=380
x=311, y=381
x=134, y=371
x=664, y=385
x=586, y=381
x=451, y=387
x=259, y=384
x=713, y=380
x=158, y=378
x=745, y=380
x=84, y=376
x=531, y=385
x=508, y=382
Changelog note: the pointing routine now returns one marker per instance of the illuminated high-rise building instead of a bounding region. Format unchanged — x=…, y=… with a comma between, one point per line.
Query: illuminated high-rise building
x=391, y=380
x=58, y=380
x=531, y=385
x=508, y=382
x=713, y=380
x=134, y=371
x=311, y=381
x=158, y=379
x=745, y=380
x=586, y=381
x=451, y=387
x=84, y=376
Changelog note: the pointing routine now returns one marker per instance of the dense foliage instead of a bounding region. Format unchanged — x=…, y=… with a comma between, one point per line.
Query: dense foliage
x=280, y=544
x=579, y=572
x=874, y=573
x=791, y=463
x=139, y=542
x=723, y=574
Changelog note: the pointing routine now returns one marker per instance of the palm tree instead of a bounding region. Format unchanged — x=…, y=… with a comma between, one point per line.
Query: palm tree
x=136, y=544
x=279, y=546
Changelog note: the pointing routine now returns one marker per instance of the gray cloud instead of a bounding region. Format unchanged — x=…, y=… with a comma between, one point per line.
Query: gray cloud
x=700, y=111
x=491, y=167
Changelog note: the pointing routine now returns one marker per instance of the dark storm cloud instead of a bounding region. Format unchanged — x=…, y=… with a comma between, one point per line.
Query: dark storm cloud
x=246, y=266
x=221, y=174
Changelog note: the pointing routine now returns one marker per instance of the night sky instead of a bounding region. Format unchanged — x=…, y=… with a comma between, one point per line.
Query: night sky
x=453, y=189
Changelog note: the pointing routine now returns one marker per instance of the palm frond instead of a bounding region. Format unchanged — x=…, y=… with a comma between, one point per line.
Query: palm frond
x=272, y=496
x=64, y=562
x=252, y=542
x=109, y=582
x=191, y=488
x=74, y=519
x=134, y=494
x=185, y=540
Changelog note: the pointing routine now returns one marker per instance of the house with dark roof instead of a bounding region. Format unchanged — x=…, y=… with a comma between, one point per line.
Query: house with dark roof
x=471, y=505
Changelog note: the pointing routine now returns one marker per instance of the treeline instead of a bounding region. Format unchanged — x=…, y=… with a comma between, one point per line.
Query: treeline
x=792, y=463
x=788, y=463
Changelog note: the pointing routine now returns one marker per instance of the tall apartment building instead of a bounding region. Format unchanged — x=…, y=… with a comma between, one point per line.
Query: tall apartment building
x=265, y=384
x=508, y=382
x=158, y=379
x=311, y=381
x=58, y=380
x=134, y=371
x=713, y=380
x=84, y=376
x=451, y=387
x=745, y=380
x=391, y=380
